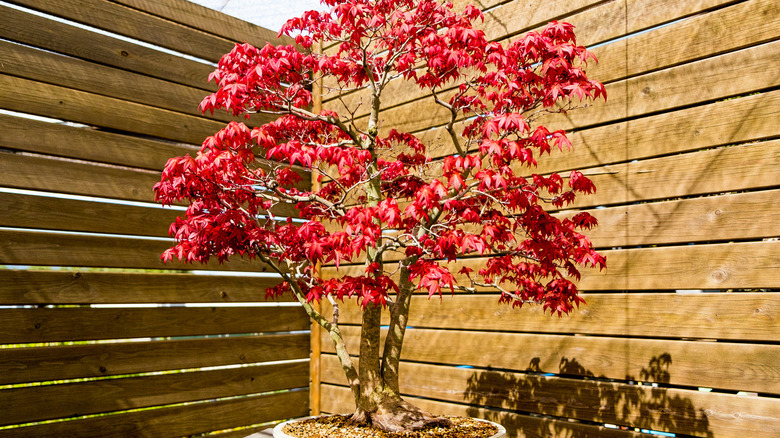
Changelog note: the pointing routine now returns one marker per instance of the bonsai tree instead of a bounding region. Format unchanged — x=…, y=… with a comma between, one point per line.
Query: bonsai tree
x=381, y=198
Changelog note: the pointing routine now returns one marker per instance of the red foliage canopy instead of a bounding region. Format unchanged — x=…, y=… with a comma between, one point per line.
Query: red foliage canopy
x=381, y=197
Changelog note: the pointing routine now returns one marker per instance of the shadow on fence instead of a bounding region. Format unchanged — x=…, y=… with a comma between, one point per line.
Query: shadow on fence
x=575, y=392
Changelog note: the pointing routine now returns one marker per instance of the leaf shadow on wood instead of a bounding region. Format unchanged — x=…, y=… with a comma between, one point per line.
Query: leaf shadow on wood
x=576, y=393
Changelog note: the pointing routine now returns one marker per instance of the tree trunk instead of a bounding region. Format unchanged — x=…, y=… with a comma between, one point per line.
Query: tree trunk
x=387, y=411
x=378, y=401
x=394, y=341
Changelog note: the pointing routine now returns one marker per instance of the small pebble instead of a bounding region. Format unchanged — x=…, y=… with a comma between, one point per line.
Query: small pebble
x=327, y=427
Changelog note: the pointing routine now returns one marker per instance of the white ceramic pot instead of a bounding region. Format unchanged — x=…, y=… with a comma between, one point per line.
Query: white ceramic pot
x=279, y=434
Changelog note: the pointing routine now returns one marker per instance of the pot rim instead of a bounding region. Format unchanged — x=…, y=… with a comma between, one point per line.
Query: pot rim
x=278, y=433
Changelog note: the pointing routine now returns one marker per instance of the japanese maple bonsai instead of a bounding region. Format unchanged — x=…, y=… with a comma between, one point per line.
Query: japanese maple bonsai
x=380, y=199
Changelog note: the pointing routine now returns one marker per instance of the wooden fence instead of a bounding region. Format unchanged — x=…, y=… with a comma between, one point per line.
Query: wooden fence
x=97, y=336
x=680, y=334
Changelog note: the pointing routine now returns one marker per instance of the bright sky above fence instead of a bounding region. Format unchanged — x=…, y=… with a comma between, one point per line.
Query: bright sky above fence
x=265, y=13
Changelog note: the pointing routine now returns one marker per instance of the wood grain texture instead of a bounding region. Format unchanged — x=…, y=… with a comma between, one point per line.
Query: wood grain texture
x=722, y=123
x=337, y=399
x=730, y=121
x=687, y=220
x=24, y=171
x=511, y=18
x=722, y=365
x=709, y=34
x=458, y=5
x=23, y=210
x=672, y=410
x=22, y=287
x=38, y=325
x=53, y=174
x=502, y=20
x=60, y=37
x=61, y=362
x=655, y=92
x=92, y=109
x=86, y=250
x=731, y=74
x=727, y=169
x=596, y=22
x=66, y=71
x=611, y=20
x=724, y=217
x=36, y=403
x=26, y=210
x=135, y=24
x=178, y=420
x=747, y=265
x=724, y=316
x=208, y=20
x=88, y=144
x=648, y=51
x=701, y=220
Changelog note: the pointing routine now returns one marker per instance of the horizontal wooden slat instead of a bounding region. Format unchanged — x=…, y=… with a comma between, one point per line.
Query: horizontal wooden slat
x=36, y=403
x=740, y=72
x=26, y=171
x=178, y=420
x=727, y=169
x=98, y=217
x=55, y=249
x=708, y=34
x=19, y=287
x=511, y=18
x=554, y=6
x=732, y=316
x=663, y=90
x=595, y=21
x=59, y=37
x=662, y=409
x=608, y=20
x=208, y=20
x=80, y=178
x=35, y=325
x=605, y=21
x=35, y=364
x=728, y=122
x=337, y=399
x=721, y=266
x=698, y=219
x=135, y=24
x=92, y=109
x=66, y=71
x=703, y=219
x=725, y=217
x=723, y=365
x=731, y=121
x=500, y=21
x=482, y=5
x=22, y=210
x=88, y=144
x=749, y=265
x=736, y=168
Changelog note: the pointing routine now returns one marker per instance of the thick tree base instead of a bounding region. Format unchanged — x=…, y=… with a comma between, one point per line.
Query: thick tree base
x=396, y=415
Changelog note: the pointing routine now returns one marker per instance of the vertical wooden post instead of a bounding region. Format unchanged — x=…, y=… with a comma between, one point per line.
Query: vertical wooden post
x=316, y=330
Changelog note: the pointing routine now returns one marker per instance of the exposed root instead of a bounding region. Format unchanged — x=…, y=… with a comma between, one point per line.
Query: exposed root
x=397, y=415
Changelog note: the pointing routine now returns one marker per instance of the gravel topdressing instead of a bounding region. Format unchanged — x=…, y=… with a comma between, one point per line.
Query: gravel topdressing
x=336, y=426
